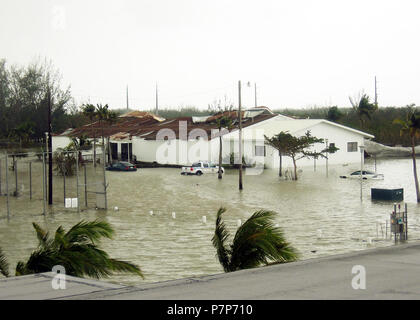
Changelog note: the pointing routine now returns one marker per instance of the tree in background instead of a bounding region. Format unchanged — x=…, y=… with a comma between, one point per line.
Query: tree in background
x=23, y=98
x=334, y=114
x=258, y=241
x=89, y=111
x=296, y=147
x=411, y=126
x=363, y=107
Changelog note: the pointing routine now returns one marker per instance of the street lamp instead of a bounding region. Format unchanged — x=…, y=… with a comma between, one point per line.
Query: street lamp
x=362, y=152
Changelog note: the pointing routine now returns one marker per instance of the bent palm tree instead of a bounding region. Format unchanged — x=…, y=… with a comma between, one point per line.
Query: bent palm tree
x=412, y=127
x=77, y=251
x=4, y=266
x=256, y=242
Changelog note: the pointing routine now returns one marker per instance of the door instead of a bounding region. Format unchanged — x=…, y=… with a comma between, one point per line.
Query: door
x=124, y=151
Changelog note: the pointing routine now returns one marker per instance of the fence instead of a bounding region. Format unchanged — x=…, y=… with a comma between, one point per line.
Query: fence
x=26, y=186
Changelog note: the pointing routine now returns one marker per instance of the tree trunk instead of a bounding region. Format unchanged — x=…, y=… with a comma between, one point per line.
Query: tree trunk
x=416, y=181
x=280, y=166
x=220, y=158
x=295, y=169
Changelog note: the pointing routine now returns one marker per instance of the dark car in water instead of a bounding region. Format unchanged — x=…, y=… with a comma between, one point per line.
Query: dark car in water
x=122, y=166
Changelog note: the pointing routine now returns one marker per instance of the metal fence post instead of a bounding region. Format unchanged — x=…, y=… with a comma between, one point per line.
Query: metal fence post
x=86, y=202
x=44, y=180
x=30, y=180
x=7, y=188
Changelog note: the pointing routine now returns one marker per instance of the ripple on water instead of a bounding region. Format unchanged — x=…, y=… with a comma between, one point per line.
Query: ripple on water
x=168, y=248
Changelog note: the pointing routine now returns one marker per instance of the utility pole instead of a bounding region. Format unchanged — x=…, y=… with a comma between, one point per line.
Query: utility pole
x=127, y=98
x=255, y=87
x=50, y=168
x=157, y=101
x=240, y=137
x=376, y=94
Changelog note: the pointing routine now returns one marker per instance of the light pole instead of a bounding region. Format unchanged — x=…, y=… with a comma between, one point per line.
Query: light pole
x=240, y=136
x=240, y=132
x=362, y=151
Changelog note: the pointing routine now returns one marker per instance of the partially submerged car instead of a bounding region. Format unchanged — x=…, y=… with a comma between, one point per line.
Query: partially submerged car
x=122, y=166
x=366, y=175
x=201, y=167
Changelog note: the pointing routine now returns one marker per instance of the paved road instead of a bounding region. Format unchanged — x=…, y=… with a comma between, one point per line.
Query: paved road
x=391, y=273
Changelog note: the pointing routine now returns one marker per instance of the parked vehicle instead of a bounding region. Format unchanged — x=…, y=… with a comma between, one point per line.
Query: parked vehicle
x=365, y=175
x=122, y=166
x=201, y=167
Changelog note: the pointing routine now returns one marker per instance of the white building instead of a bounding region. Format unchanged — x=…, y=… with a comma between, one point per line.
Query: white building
x=183, y=141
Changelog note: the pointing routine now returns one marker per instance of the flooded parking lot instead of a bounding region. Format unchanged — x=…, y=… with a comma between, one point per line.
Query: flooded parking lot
x=320, y=215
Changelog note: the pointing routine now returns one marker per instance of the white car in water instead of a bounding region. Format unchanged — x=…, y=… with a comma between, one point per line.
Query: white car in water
x=201, y=167
x=366, y=175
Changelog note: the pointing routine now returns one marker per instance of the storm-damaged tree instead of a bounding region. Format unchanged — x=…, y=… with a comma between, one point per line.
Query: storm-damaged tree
x=76, y=250
x=411, y=126
x=297, y=147
x=4, y=265
x=363, y=107
x=258, y=241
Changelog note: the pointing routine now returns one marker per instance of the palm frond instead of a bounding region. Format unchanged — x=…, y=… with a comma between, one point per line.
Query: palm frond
x=4, y=265
x=219, y=239
x=41, y=234
x=124, y=266
x=76, y=251
x=258, y=242
x=89, y=230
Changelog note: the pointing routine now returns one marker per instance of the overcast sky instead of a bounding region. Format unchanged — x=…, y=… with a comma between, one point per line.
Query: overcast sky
x=299, y=53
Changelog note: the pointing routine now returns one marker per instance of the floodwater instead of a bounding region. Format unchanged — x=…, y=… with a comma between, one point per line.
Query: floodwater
x=320, y=215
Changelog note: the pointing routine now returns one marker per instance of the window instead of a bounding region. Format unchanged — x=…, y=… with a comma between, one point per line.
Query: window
x=260, y=151
x=205, y=165
x=351, y=146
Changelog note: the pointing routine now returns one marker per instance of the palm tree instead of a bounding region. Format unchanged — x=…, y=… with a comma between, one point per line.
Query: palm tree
x=363, y=107
x=412, y=127
x=77, y=251
x=258, y=241
x=89, y=111
x=4, y=266
x=111, y=118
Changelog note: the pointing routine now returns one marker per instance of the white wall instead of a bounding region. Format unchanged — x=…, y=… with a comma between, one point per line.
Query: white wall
x=340, y=137
x=60, y=142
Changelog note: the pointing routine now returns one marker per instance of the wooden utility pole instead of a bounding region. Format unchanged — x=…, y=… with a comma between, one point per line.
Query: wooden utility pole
x=240, y=137
x=376, y=94
x=255, y=87
x=157, y=101
x=127, y=98
x=50, y=167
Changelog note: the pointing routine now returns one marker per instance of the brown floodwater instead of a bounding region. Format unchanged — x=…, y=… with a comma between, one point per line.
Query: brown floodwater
x=320, y=215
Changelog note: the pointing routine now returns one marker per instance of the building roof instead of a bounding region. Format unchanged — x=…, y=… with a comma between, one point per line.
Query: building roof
x=147, y=126
x=296, y=125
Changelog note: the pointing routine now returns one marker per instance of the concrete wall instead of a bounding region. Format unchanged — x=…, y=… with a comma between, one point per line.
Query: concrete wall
x=60, y=142
x=336, y=135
